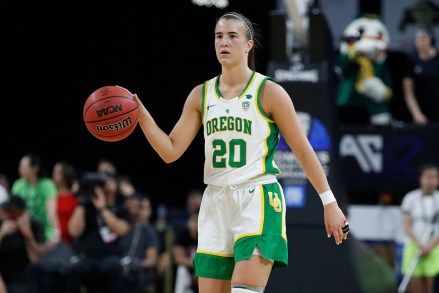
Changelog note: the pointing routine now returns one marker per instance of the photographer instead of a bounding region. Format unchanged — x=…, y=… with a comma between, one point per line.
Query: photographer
x=97, y=225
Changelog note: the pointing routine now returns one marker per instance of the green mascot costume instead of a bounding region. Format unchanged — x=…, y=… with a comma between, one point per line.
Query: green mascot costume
x=365, y=79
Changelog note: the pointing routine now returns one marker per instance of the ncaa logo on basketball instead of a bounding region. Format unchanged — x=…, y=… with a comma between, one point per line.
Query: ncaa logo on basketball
x=109, y=110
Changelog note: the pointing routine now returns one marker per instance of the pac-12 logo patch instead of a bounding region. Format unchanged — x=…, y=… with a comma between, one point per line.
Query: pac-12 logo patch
x=245, y=105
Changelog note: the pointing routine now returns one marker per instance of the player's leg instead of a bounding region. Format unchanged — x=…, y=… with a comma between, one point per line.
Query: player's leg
x=251, y=274
x=208, y=285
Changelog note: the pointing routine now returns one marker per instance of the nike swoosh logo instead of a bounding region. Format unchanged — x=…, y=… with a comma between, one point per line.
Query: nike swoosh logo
x=210, y=106
x=251, y=190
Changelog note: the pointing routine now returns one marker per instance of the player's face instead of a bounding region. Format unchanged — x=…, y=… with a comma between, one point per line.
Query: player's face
x=231, y=42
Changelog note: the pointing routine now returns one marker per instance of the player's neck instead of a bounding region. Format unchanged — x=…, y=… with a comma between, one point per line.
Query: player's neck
x=235, y=76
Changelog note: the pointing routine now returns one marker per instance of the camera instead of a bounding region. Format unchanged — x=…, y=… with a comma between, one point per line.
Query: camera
x=88, y=183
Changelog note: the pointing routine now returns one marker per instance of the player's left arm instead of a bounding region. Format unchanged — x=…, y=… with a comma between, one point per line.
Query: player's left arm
x=171, y=147
x=277, y=103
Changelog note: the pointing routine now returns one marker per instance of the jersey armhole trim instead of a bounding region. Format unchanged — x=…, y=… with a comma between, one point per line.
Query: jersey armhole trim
x=258, y=100
x=203, y=101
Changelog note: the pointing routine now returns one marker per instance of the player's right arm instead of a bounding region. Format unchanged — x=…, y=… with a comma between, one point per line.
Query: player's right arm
x=171, y=146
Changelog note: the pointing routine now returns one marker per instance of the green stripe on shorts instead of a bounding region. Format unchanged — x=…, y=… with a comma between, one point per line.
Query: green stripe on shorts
x=213, y=266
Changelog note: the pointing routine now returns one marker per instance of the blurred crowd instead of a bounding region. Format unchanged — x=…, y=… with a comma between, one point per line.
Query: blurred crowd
x=91, y=232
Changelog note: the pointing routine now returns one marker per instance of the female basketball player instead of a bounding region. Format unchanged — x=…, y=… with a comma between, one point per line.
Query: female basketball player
x=242, y=217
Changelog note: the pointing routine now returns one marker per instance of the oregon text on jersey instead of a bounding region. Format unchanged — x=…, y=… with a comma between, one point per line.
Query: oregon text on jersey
x=228, y=123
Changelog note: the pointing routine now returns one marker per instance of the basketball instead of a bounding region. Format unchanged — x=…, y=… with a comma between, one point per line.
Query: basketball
x=110, y=113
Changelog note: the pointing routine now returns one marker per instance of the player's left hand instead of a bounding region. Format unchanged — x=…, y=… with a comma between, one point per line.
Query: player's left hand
x=335, y=222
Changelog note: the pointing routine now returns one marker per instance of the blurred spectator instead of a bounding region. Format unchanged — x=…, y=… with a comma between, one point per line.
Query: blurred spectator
x=4, y=181
x=141, y=246
x=185, y=246
x=50, y=269
x=21, y=244
x=421, y=83
x=64, y=176
x=97, y=225
x=193, y=203
x=106, y=166
x=420, y=209
x=3, y=194
x=40, y=195
x=126, y=186
x=2, y=285
x=4, y=189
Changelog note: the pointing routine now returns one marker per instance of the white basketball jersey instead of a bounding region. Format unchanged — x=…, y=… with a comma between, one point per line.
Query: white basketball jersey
x=240, y=138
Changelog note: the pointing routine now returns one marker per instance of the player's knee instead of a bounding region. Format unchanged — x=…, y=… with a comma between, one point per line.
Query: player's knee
x=240, y=288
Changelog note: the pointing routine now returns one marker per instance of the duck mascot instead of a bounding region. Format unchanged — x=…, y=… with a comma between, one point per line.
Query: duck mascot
x=365, y=78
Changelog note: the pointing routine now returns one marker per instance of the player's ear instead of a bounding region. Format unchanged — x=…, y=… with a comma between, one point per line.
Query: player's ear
x=250, y=44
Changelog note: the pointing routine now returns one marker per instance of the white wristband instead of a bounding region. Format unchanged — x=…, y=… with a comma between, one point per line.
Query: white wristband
x=327, y=197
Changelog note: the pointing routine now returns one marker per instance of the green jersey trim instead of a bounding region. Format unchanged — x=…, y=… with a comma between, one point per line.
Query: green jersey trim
x=246, y=88
x=258, y=99
x=203, y=100
x=271, y=145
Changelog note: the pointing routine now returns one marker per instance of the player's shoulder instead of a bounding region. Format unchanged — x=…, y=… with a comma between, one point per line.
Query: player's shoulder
x=195, y=96
x=212, y=79
x=198, y=89
x=272, y=88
